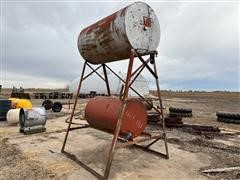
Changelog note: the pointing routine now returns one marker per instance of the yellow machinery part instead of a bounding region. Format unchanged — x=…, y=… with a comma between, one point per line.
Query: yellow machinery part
x=21, y=103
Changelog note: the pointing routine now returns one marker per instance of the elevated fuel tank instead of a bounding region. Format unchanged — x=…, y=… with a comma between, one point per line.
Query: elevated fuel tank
x=102, y=113
x=111, y=39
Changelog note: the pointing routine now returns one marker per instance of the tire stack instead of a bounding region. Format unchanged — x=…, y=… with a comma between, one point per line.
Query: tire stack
x=153, y=117
x=228, y=117
x=173, y=121
x=180, y=112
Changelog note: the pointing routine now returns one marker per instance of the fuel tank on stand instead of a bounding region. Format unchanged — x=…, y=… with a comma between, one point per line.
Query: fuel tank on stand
x=111, y=39
x=102, y=113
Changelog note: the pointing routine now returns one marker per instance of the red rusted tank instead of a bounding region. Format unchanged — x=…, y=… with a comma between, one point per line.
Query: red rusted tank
x=111, y=39
x=102, y=113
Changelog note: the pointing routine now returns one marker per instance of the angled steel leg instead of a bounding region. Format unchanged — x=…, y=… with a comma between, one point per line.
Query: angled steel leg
x=120, y=117
x=74, y=107
x=161, y=109
x=106, y=79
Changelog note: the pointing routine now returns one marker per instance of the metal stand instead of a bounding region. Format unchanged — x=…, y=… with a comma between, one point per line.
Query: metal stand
x=144, y=136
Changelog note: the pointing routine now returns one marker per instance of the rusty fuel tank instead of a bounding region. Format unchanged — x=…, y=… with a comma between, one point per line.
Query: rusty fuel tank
x=102, y=113
x=111, y=39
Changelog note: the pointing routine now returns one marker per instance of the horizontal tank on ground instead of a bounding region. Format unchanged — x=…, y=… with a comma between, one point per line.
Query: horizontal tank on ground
x=112, y=38
x=106, y=115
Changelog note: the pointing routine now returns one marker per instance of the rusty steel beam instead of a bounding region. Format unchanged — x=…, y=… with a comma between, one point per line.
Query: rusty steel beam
x=151, y=151
x=106, y=79
x=95, y=70
x=80, y=127
x=150, y=69
x=89, y=169
x=74, y=106
x=161, y=108
x=138, y=71
x=129, y=143
x=139, y=67
x=120, y=118
x=157, y=139
x=131, y=88
x=121, y=92
x=128, y=79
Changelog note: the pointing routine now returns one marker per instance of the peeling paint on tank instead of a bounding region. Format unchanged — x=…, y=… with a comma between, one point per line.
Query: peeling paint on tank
x=112, y=38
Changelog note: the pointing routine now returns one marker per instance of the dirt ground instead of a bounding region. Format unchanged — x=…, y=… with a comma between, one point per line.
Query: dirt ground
x=38, y=156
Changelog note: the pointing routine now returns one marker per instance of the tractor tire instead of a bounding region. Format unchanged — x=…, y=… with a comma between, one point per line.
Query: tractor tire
x=228, y=120
x=57, y=107
x=47, y=104
x=180, y=110
x=228, y=115
x=172, y=114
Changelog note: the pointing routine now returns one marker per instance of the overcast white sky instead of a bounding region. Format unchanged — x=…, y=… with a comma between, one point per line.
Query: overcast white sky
x=199, y=46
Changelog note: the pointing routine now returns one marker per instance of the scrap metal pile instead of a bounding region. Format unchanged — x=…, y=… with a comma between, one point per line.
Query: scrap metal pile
x=19, y=110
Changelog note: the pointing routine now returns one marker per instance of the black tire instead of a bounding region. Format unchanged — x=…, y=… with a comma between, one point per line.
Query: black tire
x=180, y=110
x=228, y=120
x=177, y=120
x=229, y=115
x=47, y=104
x=173, y=114
x=153, y=117
x=173, y=121
x=57, y=107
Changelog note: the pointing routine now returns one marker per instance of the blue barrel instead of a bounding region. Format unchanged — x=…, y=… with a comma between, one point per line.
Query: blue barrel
x=5, y=106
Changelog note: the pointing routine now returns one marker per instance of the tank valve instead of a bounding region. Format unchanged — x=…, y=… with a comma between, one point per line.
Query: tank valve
x=127, y=136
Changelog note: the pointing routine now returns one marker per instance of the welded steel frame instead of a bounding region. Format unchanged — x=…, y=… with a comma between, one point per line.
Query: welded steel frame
x=128, y=83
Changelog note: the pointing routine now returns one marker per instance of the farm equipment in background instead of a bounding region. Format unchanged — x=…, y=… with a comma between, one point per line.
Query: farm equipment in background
x=19, y=93
x=53, y=95
x=55, y=106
